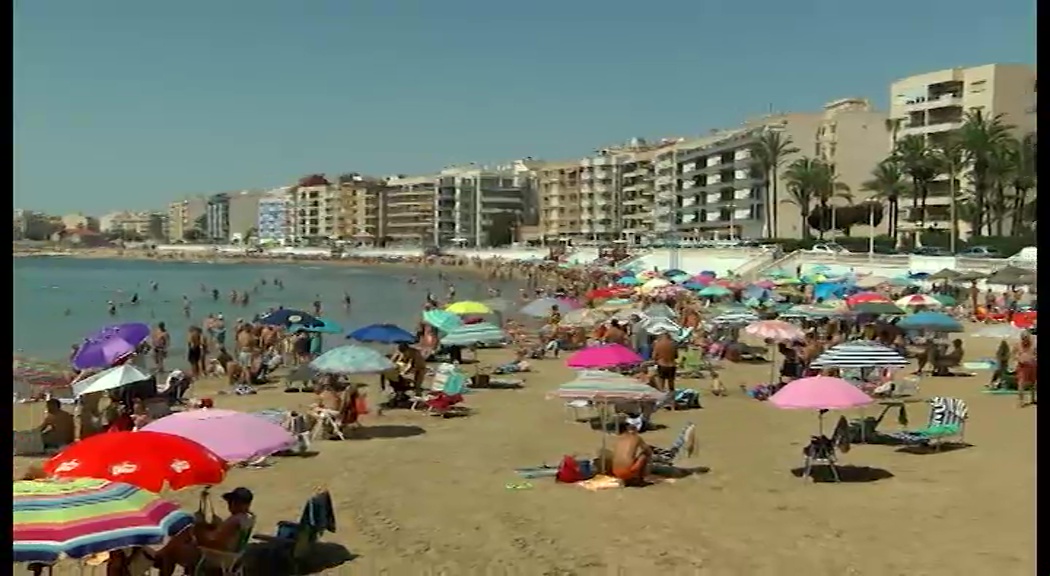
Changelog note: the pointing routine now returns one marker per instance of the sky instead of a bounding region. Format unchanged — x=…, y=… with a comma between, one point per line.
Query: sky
x=124, y=104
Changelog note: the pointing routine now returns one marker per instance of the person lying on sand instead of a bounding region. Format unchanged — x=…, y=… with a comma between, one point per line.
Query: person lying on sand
x=630, y=458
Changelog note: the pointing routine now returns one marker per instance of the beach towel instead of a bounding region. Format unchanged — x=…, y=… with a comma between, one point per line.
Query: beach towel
x=601, y=482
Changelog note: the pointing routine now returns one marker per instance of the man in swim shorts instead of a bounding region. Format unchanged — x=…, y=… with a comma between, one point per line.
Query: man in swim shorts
x=631, y=455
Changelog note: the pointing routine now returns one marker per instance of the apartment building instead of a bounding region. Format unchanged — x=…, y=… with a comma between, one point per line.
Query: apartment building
x=469, y=198
x=272, y=225
x=362, y=208
x=79, y=221
x=410, y=209
x=183, y=215
x=131, y=223
x=934, y=104
x=558, y=185
x=313, y=211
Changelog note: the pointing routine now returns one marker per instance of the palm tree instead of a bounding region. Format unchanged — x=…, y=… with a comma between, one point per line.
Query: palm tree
x=888, y=184
x=980, y=136
x=812, y=179
x=827, y=187
x=1023, y=177
x=769, y=153
x=917, y=161
x=1000, y=168
x=951, y=155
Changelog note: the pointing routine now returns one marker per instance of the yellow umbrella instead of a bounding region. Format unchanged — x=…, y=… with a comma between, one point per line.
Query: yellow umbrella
x=654, y=284
x=468, y=307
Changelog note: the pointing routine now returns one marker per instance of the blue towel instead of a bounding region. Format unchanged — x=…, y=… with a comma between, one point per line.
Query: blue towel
x=319, y=513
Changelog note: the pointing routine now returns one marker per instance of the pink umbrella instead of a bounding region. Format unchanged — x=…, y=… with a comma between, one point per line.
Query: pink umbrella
x=603, y=356
x=233, y=436
x=776, y=330
x=820, y=393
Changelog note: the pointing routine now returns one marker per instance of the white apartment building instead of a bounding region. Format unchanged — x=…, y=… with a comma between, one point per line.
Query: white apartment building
x=312, y=211
x=469, y=197
x=934, y=104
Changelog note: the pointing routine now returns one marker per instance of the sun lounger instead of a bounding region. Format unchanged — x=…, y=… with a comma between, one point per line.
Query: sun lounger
x=947, y=420
x=445, y=393
x=293, y=540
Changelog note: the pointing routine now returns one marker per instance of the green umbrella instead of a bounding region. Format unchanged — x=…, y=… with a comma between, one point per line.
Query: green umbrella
x=944, y=299
x=877, y=308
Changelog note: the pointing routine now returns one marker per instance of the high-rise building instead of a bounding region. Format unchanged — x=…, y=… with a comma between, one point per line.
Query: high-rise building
x=243, y=215
x=362, y=208
x=313, y=209
x=410, y=209
x=934, y=104
x=472, y=199
x=272, y=226
x=183, y=215
x=559, y=198
x=217, y=214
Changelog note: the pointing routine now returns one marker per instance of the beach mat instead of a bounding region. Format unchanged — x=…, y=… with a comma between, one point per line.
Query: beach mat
x=1000, y=392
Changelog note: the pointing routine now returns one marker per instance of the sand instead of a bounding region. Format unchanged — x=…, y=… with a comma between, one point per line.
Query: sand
x=438, y=503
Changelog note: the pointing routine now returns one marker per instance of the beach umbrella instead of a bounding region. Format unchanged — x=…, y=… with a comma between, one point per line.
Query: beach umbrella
x=286, y=317
x=877, y=308
x=233, y=436
x=105, y=347
x=778, y=273
x=326, y=326
x=603, y=386
x=775, y=330
x=474, y=334
x=694, y=286
x=901, y=282
x=468, y=307
x=584, y=317
x=616, y=304
x=603, y=356
x=863, y=297
x=54, y=519
x=382, y=334
x=821, y=393
x=668, y=292
x=916, y=300
x=351, y=359
x=680, y=278
x=626, y=314
x=629, y=281
x=661, y=325
x=149, y=460
x=735, y=318
x=944, y=299
x=870, y=281
x=859, y=354
x=932, y=321
x=604, y=293
x=970, y=277
x=40, y=373
x=1009, y=275
x=765, y=284
x=674, y=272
x=541, y=307
x=791, y=281
x=442, y=320
x=654, y=284
x=1000, y=331
x=110, y=379
x=945, y=274
x=715, y=291
x=660, y=310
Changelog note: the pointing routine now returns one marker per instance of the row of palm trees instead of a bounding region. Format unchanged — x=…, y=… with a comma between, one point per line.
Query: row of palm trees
x=1001, y=169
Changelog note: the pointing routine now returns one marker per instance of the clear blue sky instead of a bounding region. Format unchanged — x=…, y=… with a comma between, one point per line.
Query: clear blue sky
x=125, y=103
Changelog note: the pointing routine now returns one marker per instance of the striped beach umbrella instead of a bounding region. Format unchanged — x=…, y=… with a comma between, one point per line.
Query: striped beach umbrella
x=859, y=354
x=607, y=387
x=735, y=318
x=77, y=518
x=916, y=300
x=473, y=334
x=442, y=320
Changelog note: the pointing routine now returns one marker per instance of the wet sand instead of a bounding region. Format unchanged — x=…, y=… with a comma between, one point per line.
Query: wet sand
x=437, y=502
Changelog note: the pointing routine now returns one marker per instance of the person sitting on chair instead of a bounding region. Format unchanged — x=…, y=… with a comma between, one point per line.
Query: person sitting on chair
x=226, y=535
x=328, y=401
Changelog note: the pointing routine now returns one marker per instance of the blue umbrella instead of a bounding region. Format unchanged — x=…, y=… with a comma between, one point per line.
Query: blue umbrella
x=674, y=272
x=326, y=327
x=932, y=321
x=693, y=286
x=351, y=360
x=287, y=317
x=471, y=334
x=629, y=281
x=442, y=320
x=382, y=334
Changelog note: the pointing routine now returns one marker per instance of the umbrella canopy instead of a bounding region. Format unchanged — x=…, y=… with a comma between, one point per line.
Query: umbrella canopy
x=148, y=460
x=660, y=310
x=776, y=330
x=541, y=307
x=616, y=304
x=694, y=285
x=77, y=518
x=819, y=393
x=233, y=436
x=473, y=334
x=351, y=359
x=629, y=281
x=442, y=320
x=944, y=299
x=1000, y=331
x=735, y=318
x=40, y=373
x=111, y=379
x=778, y=273
x=1009, y=275
x=945, y=274
x=932, y=321
x=876, y=308
x=863, y=297
x=674, y=272
x=382, y=334
x=584, y=317
x=970, y=277
x=859, y=354
x=916, y=300
x=103, y=348
x=603, y=356
x=608, y=387
x=715, y=291
x=286, y=317
x=468, y=307
x=654, y=284
x=326, y=326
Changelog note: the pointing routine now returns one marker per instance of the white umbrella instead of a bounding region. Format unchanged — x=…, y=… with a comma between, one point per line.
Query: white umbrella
x=110, y=379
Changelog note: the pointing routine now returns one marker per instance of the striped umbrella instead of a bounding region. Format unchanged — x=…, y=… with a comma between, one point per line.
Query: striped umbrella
x=607, y=387
x=473, y=334
x=442, y=320
x=916, y=300
x=584, y=317
x=351, y=359
x=859, y=354
x=735, y=318
x=80, y=517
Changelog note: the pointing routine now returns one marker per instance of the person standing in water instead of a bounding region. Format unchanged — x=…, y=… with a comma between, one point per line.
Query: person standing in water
x=160, y=340
x=317, y=305
x=112, y=308
x=346, y=301
x=186, y=306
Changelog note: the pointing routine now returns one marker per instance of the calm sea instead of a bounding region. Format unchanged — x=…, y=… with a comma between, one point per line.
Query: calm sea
x=59, y=301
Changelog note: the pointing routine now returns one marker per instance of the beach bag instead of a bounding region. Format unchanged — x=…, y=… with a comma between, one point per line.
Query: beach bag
x=569, y=471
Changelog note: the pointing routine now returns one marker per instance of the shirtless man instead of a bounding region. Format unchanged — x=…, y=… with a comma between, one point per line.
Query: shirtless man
x=245, y=346
x=631, y=455
x=665, y=354
x=59, y=427
x=615, y=334
x=160, y=341
x=415, y=367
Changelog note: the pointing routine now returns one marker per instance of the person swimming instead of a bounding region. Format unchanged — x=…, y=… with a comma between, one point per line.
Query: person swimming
x=112, y=308
x=135, y=298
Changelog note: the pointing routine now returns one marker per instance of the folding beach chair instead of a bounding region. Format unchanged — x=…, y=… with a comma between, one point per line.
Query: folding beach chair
x=686, y=439
x=292, y=541
x=328, y=425
x=445, y=392
x=947, y=420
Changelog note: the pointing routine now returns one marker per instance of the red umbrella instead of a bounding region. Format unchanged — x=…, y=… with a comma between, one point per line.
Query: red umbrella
x=605, y=293
x=148, y=460
x=864, y=297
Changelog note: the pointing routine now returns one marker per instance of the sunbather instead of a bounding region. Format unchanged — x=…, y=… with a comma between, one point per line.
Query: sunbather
x=631, y=456
x=228, y=535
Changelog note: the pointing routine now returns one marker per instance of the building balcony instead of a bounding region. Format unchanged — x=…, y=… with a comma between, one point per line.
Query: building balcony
x=942, y=101
x=930, y=128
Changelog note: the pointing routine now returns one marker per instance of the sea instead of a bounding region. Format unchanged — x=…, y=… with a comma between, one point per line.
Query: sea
x=60, y=301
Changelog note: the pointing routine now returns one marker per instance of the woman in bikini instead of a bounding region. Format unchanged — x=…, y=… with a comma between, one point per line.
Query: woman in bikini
x=195, y=352
x=1025, y=356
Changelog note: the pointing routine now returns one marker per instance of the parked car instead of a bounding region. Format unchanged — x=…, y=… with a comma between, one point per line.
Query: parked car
x=931, y=251
x=981, y=252
x=828, y=248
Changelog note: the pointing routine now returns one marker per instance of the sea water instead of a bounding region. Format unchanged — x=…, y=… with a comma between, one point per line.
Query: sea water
x=60, y=301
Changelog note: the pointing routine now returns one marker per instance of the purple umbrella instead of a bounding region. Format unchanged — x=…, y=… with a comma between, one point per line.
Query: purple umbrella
x=234, y=436
x=102, y=349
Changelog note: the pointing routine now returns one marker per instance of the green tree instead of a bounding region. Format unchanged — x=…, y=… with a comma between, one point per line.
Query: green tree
x=917, y=161
x=981, y=137
x=769, y=153
x=1022, y=154
x=888, y=184
x=951, y=155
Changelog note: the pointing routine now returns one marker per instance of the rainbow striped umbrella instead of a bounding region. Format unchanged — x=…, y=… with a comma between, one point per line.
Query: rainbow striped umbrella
x=81, y=517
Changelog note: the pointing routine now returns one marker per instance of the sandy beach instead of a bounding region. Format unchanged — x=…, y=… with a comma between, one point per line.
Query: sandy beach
x=425, y=495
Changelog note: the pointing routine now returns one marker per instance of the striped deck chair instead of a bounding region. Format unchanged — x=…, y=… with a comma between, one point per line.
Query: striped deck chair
x=687, y=440
x=947, y=420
